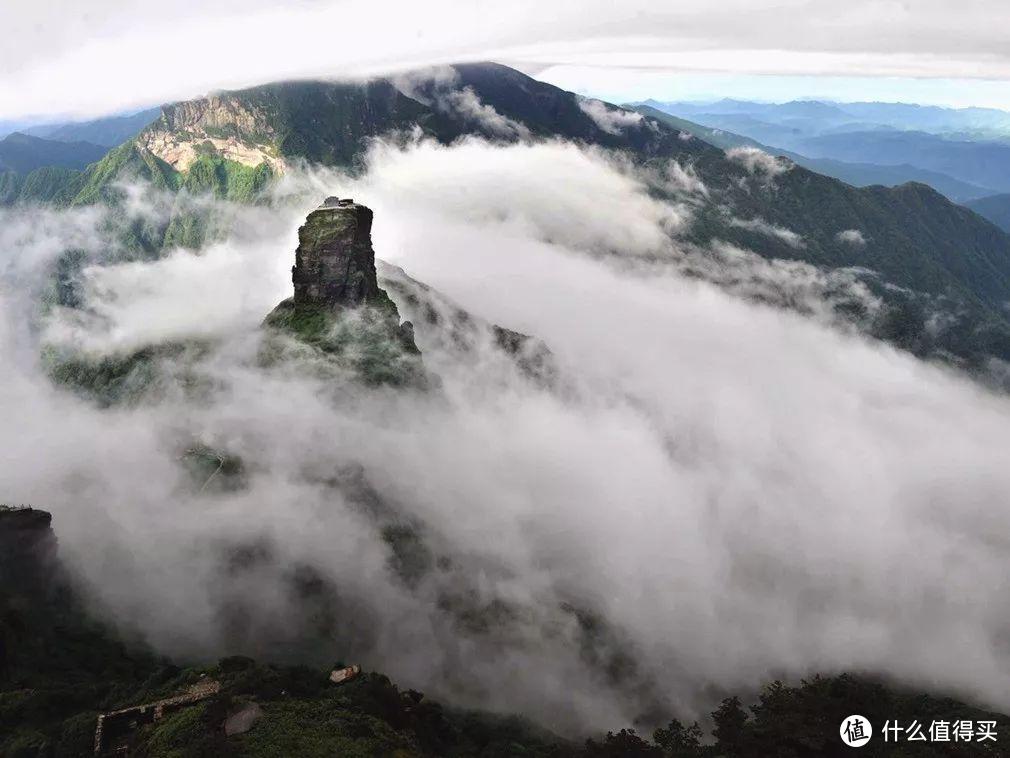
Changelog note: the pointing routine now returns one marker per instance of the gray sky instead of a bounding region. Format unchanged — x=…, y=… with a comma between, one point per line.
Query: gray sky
x=68, y=58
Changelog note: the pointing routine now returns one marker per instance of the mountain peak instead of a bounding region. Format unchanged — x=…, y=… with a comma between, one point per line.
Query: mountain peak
x=338, y=306
x=334, y=263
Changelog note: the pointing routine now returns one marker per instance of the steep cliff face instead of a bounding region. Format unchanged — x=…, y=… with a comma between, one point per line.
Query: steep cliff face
x=338, y=307
x=29, y=585
x=27, y=552
x=221, y=125
x=334, y=263
x=222, y=112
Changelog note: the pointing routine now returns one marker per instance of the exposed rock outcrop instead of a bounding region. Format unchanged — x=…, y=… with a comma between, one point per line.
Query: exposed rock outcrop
x=223, y=112
x=338, y=306
x=181, y=151
x=28, y=578
x=220, y=124
x=334, y=263
x=27, y=550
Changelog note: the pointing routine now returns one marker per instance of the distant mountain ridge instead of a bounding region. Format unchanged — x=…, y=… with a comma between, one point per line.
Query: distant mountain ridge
x=906, y=116
x=969, y=146
x=856, y=174
x=40, y=170
x=983, y=163
x=923, y=248
x=109, y=131
x=23, y=154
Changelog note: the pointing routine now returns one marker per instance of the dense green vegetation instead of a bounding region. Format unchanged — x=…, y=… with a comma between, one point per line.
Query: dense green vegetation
x=209, y=174
x=46, y=184
x=10, y=187
x=129, y=377
x=368, y=341
x=303, y=714
x=949, y=259
x=43, y=185
x=225, y=179
x=60, y=668
x=63, y=187
x=923, y=256
x=126, y=162
x=105, y=379
x=803, y=720
x=329, y=123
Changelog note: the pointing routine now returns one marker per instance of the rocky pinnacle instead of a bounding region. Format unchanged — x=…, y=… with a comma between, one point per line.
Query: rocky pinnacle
x=334, y=263
x=338, y=305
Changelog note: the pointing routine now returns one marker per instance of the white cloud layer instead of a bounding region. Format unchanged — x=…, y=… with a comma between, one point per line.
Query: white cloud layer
x=739, y=492
x=761, y=226
x=758, y=162
x=85, y=59
x=611, y=120
x=439, y=87
x=852, y=237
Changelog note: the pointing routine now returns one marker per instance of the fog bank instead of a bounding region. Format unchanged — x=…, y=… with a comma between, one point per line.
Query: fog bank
x=713, y=493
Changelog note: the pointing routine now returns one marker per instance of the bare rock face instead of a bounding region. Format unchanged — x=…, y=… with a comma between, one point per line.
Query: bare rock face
x=334, y=262
x=242, y=720
x=234, y=129
x=28, y=576
x=338, y=305
x=27, y=550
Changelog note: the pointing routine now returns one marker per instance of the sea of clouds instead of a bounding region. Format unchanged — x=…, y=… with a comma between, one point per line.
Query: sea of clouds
x=729, y=490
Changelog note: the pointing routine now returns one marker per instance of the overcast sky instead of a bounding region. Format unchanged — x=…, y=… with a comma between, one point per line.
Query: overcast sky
x=63, y=57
